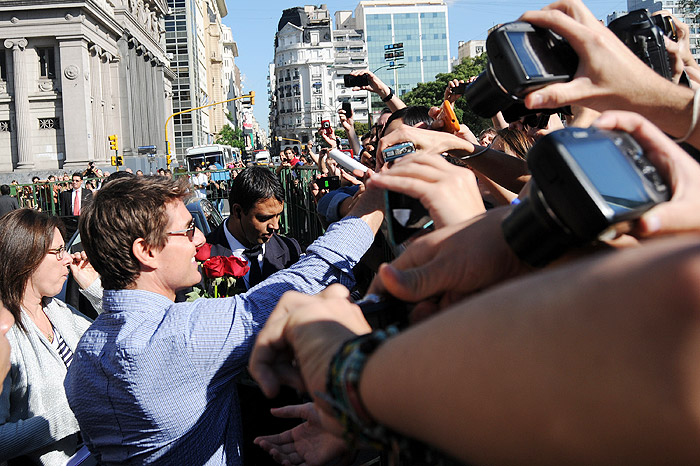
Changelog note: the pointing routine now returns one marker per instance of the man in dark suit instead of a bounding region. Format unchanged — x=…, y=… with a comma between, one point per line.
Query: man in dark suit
x=7, y=202
x=73, y=201
x=256, y=201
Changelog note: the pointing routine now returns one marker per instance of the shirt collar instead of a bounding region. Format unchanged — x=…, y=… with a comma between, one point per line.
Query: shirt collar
x=236, y=246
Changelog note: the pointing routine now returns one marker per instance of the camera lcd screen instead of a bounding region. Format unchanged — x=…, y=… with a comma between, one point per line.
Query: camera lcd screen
x=536, y=57
x=612, y=174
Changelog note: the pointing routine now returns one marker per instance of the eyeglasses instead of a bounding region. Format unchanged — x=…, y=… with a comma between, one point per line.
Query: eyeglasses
x=59, y=251
x=189, y=231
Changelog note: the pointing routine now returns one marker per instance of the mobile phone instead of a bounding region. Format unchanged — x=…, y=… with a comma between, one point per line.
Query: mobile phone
x=356, y=81
x=329, y=182
x=461, y=87
x=348, y=163
x=448, y=117
x=347, y=108
x=397, y=151
x=405, y=216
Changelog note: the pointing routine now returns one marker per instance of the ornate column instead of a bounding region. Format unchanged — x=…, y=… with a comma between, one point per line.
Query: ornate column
x=100, y=139
x=21, y=99
x=77, y=108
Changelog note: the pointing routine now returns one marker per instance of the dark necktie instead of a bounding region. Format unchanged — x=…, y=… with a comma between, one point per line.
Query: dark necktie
x=252, y=254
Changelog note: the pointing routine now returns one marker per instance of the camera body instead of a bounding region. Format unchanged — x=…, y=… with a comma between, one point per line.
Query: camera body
x=642, y=36
x=667, y=26
x=326, y=127
x=397, y=151
x=584, y=181
x=522, y=58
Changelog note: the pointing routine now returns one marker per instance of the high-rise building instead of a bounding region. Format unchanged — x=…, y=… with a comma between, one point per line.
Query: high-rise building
x=420, y=26
x=302, y=86
x=350, y=51
x=674, y=6
x=74, y=73
x=194, y=38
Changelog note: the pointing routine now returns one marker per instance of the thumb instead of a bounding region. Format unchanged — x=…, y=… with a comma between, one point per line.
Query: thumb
x=409, y=285
x=666, y=218
x=558, y=95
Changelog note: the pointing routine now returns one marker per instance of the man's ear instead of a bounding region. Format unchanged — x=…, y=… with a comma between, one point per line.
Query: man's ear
x=145, y=254
x=237, y=211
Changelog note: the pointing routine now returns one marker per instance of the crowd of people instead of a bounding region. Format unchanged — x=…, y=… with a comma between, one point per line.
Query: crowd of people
x=590, y=357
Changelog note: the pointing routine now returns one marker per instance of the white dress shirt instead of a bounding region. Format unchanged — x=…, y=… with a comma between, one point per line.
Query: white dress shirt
x=237, y=249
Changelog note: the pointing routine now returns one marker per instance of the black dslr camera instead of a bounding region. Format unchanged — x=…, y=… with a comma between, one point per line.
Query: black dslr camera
x=584, y=181
x=522, y=58
x=642, y=36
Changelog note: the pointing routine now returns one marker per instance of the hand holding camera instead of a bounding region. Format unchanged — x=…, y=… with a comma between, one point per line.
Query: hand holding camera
x=674, y=165
x=609, y=76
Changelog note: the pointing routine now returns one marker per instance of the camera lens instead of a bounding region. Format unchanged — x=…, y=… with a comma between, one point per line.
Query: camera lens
x=484, y=97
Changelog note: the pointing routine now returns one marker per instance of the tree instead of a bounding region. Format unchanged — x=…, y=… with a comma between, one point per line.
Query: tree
x=360, y=129
x=431, y=94
x=231, y=136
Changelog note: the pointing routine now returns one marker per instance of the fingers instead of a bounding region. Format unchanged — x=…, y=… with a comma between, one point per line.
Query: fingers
x=674, y=165
x=299, y=411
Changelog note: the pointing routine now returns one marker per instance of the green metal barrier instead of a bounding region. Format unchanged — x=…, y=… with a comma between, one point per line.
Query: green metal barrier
x=299, y=219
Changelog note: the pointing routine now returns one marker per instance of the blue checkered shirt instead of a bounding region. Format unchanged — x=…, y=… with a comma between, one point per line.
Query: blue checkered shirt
x=152, y=381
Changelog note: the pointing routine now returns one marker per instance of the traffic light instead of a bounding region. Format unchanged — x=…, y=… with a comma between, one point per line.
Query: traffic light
x=120, y=160
x=251, y=98
x=114, y=160
x=168, y=159
x=113, y=144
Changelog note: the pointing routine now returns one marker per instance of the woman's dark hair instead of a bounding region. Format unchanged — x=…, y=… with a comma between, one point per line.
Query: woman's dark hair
x=516, y=142
x=252, y=185
x=410, y=116
x=25, y=238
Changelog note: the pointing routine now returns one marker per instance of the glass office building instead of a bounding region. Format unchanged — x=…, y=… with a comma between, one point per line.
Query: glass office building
x=422, y=29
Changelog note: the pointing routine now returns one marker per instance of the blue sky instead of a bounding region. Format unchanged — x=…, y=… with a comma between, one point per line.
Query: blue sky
x=254, y=30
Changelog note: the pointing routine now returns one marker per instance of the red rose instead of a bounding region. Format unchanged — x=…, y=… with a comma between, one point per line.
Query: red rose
x=203, y=252
x=235, y=266
x=214, y=267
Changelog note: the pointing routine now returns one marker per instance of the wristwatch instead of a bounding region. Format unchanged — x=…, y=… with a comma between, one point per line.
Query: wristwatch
x=389, y=96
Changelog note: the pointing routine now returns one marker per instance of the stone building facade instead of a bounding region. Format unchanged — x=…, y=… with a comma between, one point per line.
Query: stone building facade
x=74, y=72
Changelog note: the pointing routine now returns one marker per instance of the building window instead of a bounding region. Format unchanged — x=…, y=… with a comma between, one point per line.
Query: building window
x=49, y=123
x=47, y=62
x=5, y=126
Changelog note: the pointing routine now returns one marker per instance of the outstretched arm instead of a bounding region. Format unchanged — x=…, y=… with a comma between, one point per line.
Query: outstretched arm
x=545, y=369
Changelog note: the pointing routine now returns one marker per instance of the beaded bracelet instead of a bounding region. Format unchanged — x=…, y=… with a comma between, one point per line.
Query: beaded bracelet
x=360, y=430
x=342, y=386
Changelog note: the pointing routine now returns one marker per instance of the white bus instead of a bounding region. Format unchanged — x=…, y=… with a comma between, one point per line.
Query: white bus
x=211, y=154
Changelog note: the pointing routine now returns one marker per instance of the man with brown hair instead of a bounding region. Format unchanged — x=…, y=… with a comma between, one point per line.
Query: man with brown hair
x=152, y=380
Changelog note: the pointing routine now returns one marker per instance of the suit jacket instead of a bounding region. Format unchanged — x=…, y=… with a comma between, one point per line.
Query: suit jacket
x=66, y=201
x=280, y=252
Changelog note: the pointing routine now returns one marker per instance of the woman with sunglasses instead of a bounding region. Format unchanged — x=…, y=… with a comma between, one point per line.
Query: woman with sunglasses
x=36, y=424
